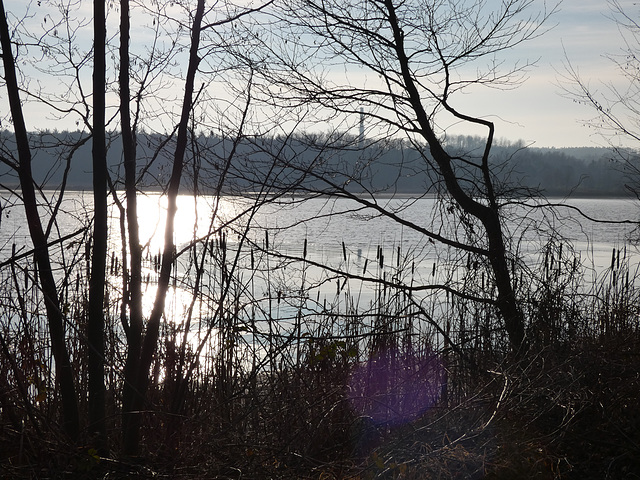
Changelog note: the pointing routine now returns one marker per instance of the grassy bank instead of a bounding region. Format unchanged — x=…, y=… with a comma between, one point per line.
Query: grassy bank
x=257, y=384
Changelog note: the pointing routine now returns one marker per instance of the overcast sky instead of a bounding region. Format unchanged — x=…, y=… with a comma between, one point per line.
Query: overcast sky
x=536, y=112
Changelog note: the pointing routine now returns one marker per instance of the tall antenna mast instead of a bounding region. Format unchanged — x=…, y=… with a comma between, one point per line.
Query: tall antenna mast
x=361, y=138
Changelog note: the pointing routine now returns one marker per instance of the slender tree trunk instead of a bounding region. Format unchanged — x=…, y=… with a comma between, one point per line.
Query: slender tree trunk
x=507, y=302
x=141, y=381
x=95, y=325
x=486, y=214
x=64, y=370
x=134, y=285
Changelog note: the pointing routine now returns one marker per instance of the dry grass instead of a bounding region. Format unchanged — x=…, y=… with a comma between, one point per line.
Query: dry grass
x=277, y=404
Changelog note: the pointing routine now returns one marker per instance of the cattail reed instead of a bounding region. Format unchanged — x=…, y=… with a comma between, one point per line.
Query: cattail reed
x=87, y=257
x=618, y=261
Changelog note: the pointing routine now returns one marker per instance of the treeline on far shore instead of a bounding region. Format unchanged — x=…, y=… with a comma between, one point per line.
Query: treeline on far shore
x=389, y=166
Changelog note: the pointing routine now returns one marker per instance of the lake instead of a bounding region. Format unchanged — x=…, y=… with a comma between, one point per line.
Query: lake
x=334, y=232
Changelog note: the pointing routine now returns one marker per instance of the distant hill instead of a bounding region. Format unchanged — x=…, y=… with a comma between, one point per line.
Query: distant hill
x=586, y=154
x=391, y=167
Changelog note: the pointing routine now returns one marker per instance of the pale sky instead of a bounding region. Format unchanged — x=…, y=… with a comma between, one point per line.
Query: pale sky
x=536, y=112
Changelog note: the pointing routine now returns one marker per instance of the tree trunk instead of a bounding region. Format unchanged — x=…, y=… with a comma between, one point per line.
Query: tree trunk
x=55, y=319
x=95, y=324
x=133, y=285
x=140, y=382
x=486, y=214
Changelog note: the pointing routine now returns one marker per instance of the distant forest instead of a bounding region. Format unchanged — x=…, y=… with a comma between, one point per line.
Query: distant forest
x=386, y=167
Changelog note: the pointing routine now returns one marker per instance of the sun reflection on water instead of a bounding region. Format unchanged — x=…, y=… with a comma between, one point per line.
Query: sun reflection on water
x=196, y=218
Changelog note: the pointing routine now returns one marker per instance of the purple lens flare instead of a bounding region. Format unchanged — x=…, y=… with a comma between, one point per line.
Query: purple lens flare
x=395, y=387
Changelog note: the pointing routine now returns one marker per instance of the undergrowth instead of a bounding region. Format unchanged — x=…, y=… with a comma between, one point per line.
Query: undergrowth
x=344, y=392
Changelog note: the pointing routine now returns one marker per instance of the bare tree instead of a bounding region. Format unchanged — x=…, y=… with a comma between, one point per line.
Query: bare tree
x=149, y=72
x=140, y=378
x=97, y=282
x=64, y=370
x=413, y=59
x=132, y=318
